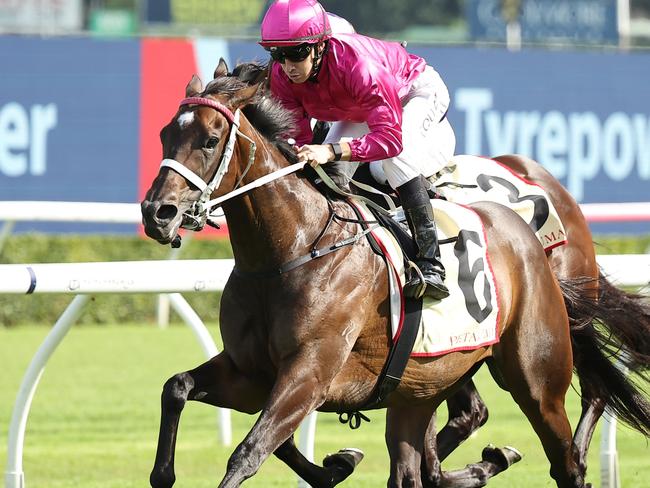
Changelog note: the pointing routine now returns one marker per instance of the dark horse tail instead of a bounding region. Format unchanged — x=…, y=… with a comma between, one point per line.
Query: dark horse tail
x=609, y=335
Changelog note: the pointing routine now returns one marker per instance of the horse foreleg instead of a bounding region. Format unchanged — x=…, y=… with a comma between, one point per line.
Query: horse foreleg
x=467, y=413
x=215, y=382
x=300, y=388
x=337, y=467
x=405, y=434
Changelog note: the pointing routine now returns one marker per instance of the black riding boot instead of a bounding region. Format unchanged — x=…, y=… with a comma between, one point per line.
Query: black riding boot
x=419, y=215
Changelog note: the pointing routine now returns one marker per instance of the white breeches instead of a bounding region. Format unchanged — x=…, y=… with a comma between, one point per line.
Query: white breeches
x=428, y=142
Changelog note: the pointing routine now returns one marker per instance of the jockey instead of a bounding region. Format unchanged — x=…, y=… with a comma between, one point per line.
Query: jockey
x=387, y=105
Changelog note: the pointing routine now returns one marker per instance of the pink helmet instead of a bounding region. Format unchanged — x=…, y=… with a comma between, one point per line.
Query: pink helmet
x=293, y=22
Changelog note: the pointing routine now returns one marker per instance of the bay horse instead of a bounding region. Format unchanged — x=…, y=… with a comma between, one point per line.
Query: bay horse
x=625, y=316
x=316, y=338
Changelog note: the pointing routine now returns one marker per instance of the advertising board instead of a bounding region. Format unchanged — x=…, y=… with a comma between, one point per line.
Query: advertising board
x=69, y=118
x=42, y=16
x=581, y=21
x=80, y=118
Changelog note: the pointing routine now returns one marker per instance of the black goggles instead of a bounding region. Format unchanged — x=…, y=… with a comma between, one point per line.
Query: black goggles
x=295, y=54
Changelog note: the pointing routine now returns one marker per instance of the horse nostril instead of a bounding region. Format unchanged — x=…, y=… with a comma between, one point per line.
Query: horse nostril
x=166, y=212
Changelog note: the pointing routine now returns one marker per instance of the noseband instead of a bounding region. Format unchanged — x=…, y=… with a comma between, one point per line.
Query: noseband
x=197, y=215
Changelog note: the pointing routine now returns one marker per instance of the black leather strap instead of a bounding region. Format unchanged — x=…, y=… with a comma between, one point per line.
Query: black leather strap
x=338, y=151
x=391, y=374
x=399, y=354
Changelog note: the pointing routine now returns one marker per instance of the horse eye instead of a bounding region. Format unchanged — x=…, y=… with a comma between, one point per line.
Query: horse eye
x=211, y=142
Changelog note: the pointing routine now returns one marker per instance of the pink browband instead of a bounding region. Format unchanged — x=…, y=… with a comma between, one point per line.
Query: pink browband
x=208, y=102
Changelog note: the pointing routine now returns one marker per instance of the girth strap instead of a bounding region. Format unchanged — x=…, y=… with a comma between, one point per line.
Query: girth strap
x=391, y=374
x=399, y=354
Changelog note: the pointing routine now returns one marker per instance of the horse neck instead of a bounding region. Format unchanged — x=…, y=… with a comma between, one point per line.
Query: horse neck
x=274, y=223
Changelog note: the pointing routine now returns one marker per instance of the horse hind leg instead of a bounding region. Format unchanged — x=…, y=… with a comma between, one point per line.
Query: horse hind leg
x=467, y=412
x=538, y=377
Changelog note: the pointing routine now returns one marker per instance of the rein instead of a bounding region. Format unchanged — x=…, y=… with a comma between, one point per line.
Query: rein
x=315, y=252
x=198, y=214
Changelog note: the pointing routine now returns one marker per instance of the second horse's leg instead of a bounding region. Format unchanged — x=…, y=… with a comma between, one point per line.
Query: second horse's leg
x=337, y=467
x=467, y=413
x=495, y=460
x=592, y=410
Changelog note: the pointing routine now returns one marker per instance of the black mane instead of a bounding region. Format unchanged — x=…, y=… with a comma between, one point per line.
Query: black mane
x=265, y=113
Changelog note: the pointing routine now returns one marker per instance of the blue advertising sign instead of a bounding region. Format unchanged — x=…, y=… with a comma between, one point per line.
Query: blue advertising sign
x=69, y=119
x=584, y=21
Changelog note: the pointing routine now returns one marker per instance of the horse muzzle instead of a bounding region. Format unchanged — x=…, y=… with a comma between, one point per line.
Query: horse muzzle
x=161, y=220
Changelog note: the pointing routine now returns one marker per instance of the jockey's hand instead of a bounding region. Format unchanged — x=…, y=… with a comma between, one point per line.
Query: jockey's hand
x=315, y=154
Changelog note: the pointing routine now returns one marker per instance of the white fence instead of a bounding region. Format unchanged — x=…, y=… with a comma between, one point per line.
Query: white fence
x=86, y=279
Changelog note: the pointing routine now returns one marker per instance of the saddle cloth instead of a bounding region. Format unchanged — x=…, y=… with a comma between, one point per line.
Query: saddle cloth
x=469, y=179
x=467, y=319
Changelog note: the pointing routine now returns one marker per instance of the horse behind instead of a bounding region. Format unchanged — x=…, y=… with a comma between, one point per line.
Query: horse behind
x=316, y=336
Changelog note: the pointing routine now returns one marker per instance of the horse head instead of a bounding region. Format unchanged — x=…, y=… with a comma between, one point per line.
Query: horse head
x=198, y=145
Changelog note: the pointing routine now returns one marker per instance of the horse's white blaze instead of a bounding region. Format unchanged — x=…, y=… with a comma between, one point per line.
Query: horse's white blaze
x=185, y=118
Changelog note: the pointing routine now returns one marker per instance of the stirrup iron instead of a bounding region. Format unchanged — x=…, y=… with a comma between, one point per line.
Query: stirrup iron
x=418, y=290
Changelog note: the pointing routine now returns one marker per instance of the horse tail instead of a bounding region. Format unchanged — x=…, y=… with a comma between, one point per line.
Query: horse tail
x=614, y=327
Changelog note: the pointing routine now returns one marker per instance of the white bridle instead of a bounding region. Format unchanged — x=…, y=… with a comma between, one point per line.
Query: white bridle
x=196, y=217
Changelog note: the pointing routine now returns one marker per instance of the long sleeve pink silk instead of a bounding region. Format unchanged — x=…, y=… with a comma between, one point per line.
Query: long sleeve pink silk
x=361, y=80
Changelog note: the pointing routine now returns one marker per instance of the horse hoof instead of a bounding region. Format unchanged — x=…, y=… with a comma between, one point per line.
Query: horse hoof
x=162, y=478
x=501, y=457
x=343, y=462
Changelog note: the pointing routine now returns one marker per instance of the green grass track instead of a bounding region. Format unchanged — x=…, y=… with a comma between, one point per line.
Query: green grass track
x=94, y=420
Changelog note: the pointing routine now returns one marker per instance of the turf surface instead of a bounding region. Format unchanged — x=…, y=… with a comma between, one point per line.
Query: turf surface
x=94, y=419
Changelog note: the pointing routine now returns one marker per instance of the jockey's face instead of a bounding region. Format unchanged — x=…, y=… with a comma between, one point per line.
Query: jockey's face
x=298, y=70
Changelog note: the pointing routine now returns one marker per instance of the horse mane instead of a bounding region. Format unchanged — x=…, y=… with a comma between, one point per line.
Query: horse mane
x=264, y=112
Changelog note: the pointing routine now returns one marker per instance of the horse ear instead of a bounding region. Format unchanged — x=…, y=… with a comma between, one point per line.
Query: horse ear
x=194, y=87
x=222, y=69
x=260, y=77
x=245, y=95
